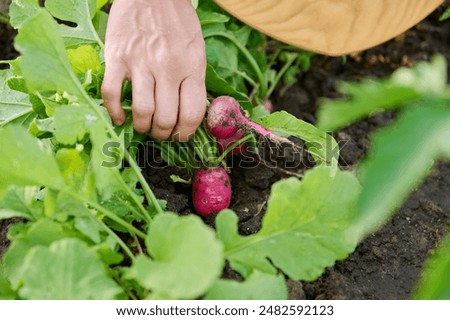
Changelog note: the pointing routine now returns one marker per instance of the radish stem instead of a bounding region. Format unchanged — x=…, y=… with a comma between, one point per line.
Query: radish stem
x=280, y=74
x=234, y=145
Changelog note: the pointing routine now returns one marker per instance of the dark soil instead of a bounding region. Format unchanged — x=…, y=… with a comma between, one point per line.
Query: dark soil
x=386, y=265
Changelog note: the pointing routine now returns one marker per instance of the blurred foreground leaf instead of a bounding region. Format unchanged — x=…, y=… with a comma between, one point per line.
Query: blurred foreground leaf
x=400, y=158
x=372, y=96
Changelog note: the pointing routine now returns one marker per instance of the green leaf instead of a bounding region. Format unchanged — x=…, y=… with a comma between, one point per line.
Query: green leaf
x=303, y=230
x=20, y=202
x=400, y=158
x=445, y=15
x=435, y=281
x=365, y=98
x=6, y=292
x=106, y=156
x=21, y=10
x=88, y=226
x=50, y=104
x=80, y=12
x=428, y=78
x=67, y=270
x=258, y=113
x=100, y=23
x=209, y=17
x=84, y=58
x=73, y=165
x=44, y=60
x=243, y=34
x=13, y=104
x=258, y=286
x=321, y=145
x=16, y=83
x=109, y=256
x=8, y=214
x=218, y=85
x=72, y=123
x=43, y=232
x=372, y=96
x=224, y=58
x=67, y=205
x=101, y=4
x=186, y=258
x=39, y=127
x=23, y=162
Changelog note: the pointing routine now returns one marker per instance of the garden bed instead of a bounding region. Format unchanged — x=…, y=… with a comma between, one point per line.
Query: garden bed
x=386, y=265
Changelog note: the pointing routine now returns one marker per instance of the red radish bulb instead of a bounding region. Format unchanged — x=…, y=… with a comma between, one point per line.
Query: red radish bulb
x=211, y=190
x=220, y=120
x=225, y=118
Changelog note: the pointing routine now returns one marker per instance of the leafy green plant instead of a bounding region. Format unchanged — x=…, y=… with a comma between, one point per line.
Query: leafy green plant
x=81, y=207
x=93, y=228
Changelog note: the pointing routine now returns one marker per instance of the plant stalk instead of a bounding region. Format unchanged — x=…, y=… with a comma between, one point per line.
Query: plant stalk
x=147, y=191
x=280, y=74
x=234, y=145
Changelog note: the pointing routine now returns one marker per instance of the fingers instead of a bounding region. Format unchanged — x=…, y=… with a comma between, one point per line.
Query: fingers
x=192, y=108
x=112, y=91
x=143, y=105
x=166, y=111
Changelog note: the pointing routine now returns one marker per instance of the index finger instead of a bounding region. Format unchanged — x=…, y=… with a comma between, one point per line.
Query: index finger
x=112, y=91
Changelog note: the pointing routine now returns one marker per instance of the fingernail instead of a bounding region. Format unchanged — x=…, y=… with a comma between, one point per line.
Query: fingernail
x=119, y=121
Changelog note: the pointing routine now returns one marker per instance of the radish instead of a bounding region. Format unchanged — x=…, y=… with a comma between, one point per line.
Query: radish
x=221, y=121
x=225, y=118
x=211, y=190
x=211, y=186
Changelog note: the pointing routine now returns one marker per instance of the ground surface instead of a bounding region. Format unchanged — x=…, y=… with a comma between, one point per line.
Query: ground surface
x=387, y=264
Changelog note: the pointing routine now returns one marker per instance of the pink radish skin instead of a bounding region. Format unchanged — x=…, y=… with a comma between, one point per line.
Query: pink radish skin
x=267, y=104
x=223, y=144
x=225, y=117
x=211, y=190
x=219, y=121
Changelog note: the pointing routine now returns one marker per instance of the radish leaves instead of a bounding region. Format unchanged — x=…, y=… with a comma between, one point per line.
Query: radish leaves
x=23, y=162
x=176, y=270
x=322, y=146
x=13, y=104
x=80, y=12
x=303, y=230
x=372, y=96
x=68, y=269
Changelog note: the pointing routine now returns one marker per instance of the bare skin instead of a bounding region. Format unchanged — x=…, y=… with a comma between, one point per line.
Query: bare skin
x=158, y=46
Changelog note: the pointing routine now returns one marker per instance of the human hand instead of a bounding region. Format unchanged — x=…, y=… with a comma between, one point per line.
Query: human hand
x=159, y=47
